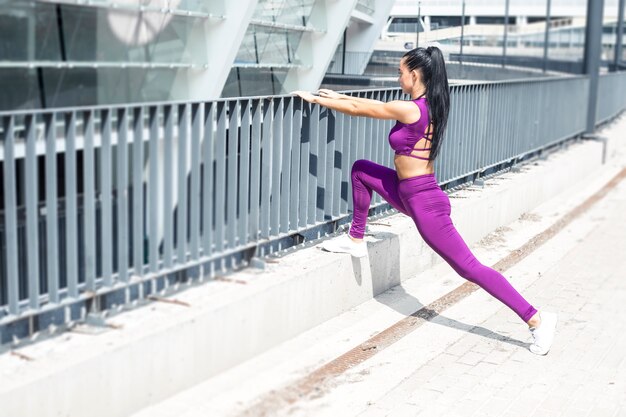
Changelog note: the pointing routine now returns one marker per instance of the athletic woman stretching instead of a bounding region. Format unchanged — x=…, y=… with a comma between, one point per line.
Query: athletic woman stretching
x=412, y=188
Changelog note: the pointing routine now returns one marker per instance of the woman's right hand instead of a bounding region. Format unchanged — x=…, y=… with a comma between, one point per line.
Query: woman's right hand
x=324, y=92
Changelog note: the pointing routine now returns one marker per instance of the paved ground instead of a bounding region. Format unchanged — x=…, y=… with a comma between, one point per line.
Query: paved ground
x=472, y=359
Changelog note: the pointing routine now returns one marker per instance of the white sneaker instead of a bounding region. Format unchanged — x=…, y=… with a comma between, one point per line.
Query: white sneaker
x=345, y=244
x=544, y=334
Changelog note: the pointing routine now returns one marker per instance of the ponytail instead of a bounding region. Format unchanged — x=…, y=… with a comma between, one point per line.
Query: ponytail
x=431, y=63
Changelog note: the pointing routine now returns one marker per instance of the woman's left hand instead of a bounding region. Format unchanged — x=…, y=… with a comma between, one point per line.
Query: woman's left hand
x=304, y=95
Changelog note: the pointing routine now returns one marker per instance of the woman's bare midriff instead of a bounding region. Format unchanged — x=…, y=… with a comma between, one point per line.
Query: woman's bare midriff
x=408, y=167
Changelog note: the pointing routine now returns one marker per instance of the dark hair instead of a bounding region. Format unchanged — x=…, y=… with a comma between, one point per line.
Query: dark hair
x=429, y=61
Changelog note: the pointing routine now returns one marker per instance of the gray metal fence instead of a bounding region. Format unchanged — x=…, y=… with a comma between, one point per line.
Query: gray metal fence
x=611, y=95
x=104, y=205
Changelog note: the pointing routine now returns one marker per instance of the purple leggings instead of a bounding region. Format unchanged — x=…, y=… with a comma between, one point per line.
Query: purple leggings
x=422, y=199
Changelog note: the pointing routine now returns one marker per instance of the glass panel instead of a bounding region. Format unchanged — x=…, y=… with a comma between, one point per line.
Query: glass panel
x=195, y=6
x=88, y=86
x=95, y=34
x=292, y=12
x=254, y=82
x=269, y=46
x=28, y=32
x=22, y=92
x=201, y=6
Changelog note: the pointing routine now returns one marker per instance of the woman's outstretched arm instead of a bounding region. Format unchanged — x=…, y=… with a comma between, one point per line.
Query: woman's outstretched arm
x=324, y=92
x=403, y=111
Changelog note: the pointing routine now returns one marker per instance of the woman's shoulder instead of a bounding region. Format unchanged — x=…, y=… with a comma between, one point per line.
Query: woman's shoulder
x=408, y=111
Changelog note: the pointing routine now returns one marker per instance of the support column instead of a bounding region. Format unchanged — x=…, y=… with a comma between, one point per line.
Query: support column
x=546, y=38
x=620, y=36
x=591, y=64
x=361, y=35
x=216, y=42
x=506, y=32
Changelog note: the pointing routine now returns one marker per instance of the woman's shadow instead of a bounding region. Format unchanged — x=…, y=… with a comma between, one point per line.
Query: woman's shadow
x=406, y=304
x=411, y=306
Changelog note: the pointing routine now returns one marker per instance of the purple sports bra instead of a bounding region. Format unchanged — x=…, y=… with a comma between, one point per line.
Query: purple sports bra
x=404, y=137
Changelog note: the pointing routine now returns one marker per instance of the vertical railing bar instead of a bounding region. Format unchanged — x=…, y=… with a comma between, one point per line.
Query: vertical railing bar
x=153, y=189
x=467, y=139
x=294, y=138
x=244, y=173
x=305, y=156
x=208, y=195
x=376, y=140
x=473, y=108
x=336, y=164
x=220, y=176
x=493, y=122
x=89, y=201
x=314, y=165
x=137, y=209
x=354, y=150
x=504, y=121
x=441, y=164
x=71, y=221
x=122, y=194
x=106, y=173
x=32, y=233
x=458, y=133
x=52, y=238
x=181, y=209
x=266, y=166
x=231, y=179
x=255, y=170
x=168, y=186
x=194, y=197
x=10, y=208
x=277, y=138
x=360, y=144
x=287, y=125
x=484, y=119
x=456, y=137
x=329, y=141
x=321, y=164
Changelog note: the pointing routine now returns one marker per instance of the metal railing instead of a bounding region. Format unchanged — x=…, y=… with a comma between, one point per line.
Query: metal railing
x=104, y=205
x=611, y=95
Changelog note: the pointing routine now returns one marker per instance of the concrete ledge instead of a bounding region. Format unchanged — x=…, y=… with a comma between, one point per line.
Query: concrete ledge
x=163, y=348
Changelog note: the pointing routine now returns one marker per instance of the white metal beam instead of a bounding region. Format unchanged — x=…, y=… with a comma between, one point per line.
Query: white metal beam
x=218, y=43
x=317, y=49
x=362, y=36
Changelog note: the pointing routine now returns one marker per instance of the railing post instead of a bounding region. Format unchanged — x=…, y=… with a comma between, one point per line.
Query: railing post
x=593, y=43
x=462, y=32
x=506, y=32
x=546, y=38
x=620, y=36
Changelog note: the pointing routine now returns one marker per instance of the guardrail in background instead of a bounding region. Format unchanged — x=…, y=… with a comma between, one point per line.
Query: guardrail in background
x=105, y=205
x=611, y=95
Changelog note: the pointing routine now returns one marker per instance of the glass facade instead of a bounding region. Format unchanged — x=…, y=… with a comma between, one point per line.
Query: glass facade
x=63, y=53
x=58, y=54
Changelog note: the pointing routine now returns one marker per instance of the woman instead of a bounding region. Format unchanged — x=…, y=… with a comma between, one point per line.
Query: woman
x=412, y=188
